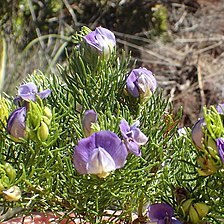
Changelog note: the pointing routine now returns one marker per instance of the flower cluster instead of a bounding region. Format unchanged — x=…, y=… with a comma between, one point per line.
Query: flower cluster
x=103, y=151
x=207, y=136
x=31, y=119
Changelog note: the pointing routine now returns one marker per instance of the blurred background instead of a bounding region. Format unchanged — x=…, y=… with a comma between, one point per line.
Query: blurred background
x=181, y=41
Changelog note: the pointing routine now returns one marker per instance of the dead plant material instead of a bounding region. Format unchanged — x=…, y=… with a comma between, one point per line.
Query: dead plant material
x=190, y=65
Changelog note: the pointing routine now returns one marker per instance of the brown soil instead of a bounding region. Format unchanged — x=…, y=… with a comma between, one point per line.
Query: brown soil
x=190, y=66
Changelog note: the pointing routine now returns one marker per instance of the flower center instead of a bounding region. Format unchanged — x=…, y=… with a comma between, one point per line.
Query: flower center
x=101, y=163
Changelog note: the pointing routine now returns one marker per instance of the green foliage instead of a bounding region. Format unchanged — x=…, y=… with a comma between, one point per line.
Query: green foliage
x=44, y=169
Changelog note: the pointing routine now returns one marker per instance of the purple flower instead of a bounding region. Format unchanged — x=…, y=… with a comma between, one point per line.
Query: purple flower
x=141, y=83
x=197, y=134
x=16, y=125
x=102, y=39
x=99, y=154
x=133, y=137
x=162, y=213
x=89, y=118
x=29, y=91
x=220, y=146
x=220, y=108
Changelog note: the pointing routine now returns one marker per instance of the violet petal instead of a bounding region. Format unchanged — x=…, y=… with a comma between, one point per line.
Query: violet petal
x=159, y=211
x=124, y=128
x=29, y=91
x=141, y=82
x=44, y=94
x=28, y=96
x=131, y=85
x=139, y=137
x=220, y=108
x=220, y=146
x=27, y=88
x=133, y=148
x=16, y=123
x=82, y=153
x=92, y=41
x=106, y=33
x=89, y=118
x=146, y=77
x=197, y=134
x=102, y=39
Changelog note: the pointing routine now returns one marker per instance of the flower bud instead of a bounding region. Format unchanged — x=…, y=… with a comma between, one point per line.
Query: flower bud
x=202, y=209
x=46, y=120
x=10, y=171
x=101, y=40
x=141, y=84
x=186, y=205
x=194, y=211
x=43, y=132
x=197, y=134
x=89, y=119
x=34, y=115
x=16, y=125
x=12, y=194
x=7, y=176
x=48, y=113
x=194, y=217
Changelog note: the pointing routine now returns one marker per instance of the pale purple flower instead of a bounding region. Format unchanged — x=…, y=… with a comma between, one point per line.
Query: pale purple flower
x=102, y=39
x=220, y=146
x=99, y=154
x=162, y=213
x=16, y=125
x=141, y=83
x=89, y=118
x=220, y=108
x=133, y=137
x=197, y=134
x=29, y=91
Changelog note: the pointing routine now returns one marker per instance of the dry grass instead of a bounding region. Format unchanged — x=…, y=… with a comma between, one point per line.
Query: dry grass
x=190, y=65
